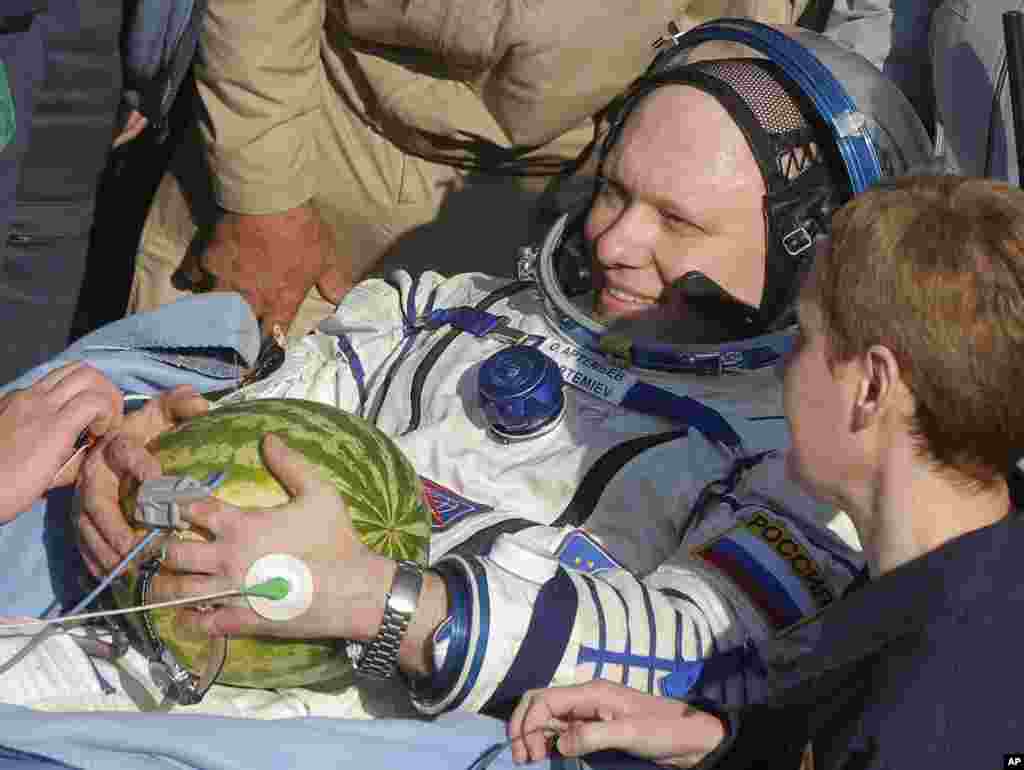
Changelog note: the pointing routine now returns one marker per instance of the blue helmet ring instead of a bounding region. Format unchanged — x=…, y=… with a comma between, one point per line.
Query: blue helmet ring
x=830, y=99
x=875, y=129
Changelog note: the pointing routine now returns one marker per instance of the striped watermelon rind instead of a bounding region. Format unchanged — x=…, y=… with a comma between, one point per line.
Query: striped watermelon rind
x=382, y=490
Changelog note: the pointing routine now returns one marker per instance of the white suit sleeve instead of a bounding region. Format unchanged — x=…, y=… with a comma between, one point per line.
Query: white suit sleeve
x=512, y=635
x=525, y=617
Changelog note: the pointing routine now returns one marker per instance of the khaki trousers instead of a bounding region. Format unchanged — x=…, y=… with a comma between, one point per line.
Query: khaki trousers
x=387, y=209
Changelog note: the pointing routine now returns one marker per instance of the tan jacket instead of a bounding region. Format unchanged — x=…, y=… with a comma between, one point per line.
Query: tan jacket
x=482, y=84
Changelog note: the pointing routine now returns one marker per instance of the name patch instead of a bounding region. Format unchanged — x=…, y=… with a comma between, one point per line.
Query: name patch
x=589, y=372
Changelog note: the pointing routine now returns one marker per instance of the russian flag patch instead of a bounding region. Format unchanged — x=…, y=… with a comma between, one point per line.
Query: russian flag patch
x=761, y=556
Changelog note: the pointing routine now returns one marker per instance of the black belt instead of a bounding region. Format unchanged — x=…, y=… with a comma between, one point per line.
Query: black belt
x=13, y=24
x=21, y=21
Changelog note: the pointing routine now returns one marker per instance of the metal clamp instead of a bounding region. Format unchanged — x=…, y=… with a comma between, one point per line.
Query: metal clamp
x=160, y=500
x=526, y=263
x=507, y=334
x=797, y=241
x=174, y=681
x=618, y=349
x=177, y=683
x=674, y=36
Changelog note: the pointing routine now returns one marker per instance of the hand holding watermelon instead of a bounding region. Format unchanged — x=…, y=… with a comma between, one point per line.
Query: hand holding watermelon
x=340, y=496
x=325, y=540
x=350, y=581
x=104, y=535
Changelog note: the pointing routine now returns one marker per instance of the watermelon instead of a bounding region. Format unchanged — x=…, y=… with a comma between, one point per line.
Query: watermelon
x=380, y=486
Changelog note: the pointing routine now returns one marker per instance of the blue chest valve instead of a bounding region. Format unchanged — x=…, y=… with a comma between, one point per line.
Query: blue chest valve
x=520, y=393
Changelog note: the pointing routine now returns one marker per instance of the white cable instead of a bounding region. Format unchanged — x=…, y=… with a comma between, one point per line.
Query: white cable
x=37, y=624
x=70, y=460
x=41, y=636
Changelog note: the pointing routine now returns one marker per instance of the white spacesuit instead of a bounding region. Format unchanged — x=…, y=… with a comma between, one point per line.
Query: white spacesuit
x=648, y=585
x=636, y=524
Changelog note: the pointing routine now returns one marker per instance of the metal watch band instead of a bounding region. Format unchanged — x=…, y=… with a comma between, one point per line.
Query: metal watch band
x=379, y=659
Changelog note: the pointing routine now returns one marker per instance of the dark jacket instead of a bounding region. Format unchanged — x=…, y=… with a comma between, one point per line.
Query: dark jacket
x=15, y=8
x=918, y=669
x=63, y=75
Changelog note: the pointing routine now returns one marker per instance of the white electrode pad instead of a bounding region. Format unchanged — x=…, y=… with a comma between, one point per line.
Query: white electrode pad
x=300, y=582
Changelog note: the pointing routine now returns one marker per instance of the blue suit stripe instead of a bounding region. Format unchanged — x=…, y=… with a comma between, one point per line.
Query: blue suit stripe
x=479, y=649
x=651, y=662
x=652, y=629
x=460, y=601
x=602, y=623
x=702, y=652
x=355, y=365
x=679, y=636
x=629, y=633
x=699, y=639
x=542, y=649
x=600, y=655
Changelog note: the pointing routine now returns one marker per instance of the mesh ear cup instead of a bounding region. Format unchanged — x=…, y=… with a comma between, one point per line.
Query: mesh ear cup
x=874, y=127
x=815, y=80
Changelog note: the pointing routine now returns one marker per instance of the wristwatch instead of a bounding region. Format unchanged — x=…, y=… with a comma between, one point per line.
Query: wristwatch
x=379, y=658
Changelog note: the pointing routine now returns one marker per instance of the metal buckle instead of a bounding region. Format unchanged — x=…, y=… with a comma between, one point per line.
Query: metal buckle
x=707, y=364
x=526, y=263
x=179, y=684
x=716, y=364
x=674, y=34
x=617, y=348
x=849, y=123
x=271, y=357
x=176, y=682
x=732, y=359
x=797, y=241
x=173, y=680
x=507, y=334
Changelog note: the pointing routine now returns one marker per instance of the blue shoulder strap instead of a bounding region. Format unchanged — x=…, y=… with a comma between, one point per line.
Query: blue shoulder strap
x=639, y=396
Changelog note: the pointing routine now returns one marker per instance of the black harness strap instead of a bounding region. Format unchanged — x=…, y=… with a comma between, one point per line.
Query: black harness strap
x=419, y=378
x=601, y=473
x=583, y=503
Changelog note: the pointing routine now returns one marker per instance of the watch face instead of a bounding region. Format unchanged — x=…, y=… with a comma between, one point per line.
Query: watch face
x=405, y=590
x=403, y=605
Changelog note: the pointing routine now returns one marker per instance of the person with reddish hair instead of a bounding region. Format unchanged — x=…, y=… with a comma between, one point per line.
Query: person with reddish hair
x=902, y=399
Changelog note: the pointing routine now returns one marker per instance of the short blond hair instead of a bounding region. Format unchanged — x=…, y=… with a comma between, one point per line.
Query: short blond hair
x=932, y=267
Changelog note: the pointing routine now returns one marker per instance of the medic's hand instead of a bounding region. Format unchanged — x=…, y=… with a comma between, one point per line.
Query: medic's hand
x=131, y=129
x=349, y=580
x=104, y=535
x=273, y=260
x=601, y=715
x=39, y=426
